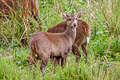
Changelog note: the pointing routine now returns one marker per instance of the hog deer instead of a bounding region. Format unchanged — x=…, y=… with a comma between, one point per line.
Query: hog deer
x=44, y=45
x=82, y=36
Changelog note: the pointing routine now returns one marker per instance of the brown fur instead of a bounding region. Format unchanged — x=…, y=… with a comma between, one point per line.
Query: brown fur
x=44, y=45
x=83, y=30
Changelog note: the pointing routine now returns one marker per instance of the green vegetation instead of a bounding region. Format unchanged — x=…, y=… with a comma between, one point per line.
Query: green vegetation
x=103, y=50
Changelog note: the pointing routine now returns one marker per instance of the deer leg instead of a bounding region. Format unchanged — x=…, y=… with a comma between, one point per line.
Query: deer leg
x=76, y=53
x=35, y=61
x=63, y=59
x=84, y=48
x=44, y=63
x=56, y=61
x=32, y=59
x=62, y=62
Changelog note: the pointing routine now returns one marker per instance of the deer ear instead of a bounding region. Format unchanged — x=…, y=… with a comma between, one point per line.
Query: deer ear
x=65, y=15
x=79, y=14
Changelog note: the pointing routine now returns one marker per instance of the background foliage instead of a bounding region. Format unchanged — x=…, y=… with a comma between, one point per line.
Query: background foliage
x=103, y=50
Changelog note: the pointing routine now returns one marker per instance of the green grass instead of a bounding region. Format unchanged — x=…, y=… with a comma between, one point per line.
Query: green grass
x=16, y=68
x=103, y=49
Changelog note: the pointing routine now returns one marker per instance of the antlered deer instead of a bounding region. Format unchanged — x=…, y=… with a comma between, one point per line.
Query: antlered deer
x=82, y=36
x=44, y=45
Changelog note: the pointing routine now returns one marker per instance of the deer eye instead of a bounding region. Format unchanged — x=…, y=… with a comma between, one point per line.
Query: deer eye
x=69, y=19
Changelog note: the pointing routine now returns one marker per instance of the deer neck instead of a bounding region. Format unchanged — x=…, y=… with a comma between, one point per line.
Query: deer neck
x=71, y=33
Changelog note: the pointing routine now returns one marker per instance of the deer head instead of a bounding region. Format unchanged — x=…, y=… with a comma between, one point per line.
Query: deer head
x=71, y=19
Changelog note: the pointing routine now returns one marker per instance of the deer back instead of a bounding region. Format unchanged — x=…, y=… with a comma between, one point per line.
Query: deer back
x=82, y=30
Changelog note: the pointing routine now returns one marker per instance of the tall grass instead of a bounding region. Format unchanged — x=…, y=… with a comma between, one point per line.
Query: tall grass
x=17, y=68
x=104, y=18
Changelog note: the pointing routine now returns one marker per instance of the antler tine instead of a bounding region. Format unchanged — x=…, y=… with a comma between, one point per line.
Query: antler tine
x=74, y=12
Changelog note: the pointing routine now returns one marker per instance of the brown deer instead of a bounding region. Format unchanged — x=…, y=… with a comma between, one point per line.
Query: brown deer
x=44, y=45
x=82, y=36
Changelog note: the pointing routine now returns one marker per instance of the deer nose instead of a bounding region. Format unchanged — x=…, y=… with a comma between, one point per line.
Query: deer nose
x=74, y=25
